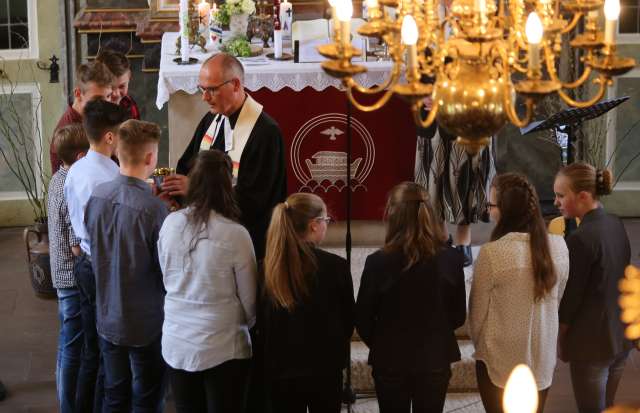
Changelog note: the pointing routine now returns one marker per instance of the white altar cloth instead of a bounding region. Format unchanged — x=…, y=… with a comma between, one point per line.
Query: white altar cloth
x=259, y=73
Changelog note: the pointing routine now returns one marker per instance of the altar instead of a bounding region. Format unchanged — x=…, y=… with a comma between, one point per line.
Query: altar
x=311, y=110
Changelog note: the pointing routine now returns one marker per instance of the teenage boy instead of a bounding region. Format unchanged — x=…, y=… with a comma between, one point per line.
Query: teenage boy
x=71, y=144
x=123, y=219
x=93, y=81
x=100, y=121
x=120, y=67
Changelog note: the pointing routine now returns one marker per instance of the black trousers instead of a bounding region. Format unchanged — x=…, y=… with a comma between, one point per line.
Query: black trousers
x=419, y=392
x=219, y=389
x=492, y=395
x=320, y=394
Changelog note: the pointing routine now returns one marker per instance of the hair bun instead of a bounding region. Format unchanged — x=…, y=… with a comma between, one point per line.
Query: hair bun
x=604, y=182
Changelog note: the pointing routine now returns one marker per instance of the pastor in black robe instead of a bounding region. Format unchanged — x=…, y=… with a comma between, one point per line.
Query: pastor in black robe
x=262, y=177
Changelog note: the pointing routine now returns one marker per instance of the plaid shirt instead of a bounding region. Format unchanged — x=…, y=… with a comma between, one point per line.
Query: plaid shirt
x=61, y=236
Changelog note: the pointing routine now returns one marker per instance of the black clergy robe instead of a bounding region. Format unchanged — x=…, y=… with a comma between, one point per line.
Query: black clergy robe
x=262, y=177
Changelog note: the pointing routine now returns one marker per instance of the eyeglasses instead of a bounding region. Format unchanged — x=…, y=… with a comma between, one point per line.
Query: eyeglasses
x=213, y=89
x=490, y=205
x=327, y=220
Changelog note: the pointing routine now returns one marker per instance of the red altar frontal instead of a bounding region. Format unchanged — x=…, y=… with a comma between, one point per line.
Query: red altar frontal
x=314, y=126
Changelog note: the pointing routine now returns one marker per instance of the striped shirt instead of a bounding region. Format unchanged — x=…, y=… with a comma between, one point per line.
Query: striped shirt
x=61, y=236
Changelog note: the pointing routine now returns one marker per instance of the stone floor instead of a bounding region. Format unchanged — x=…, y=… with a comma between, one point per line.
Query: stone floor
x=28, y=329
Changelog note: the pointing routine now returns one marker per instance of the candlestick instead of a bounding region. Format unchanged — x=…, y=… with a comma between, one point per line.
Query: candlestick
x=334, y=20
x=277, y=44
x=611, y=14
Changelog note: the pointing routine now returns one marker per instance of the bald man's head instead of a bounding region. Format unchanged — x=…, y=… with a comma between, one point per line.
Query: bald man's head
x=221, y=81
x=229, y=65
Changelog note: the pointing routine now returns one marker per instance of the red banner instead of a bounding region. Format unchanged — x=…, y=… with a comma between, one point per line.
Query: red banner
x=314, y=126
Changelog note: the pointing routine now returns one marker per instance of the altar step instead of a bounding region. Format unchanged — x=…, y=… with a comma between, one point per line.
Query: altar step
x=455, y=403
x=463, y=372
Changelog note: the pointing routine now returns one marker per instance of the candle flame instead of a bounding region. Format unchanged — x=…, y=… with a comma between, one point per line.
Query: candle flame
x=520, y=393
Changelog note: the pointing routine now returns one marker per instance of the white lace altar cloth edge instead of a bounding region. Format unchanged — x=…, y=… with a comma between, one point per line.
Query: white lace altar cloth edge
x=274, y=75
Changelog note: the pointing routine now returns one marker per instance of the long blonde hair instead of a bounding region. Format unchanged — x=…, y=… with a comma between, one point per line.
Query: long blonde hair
x=289, y=261
x=411, y=225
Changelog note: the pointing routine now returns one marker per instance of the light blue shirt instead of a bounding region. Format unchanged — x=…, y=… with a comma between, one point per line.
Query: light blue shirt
x=84, y=175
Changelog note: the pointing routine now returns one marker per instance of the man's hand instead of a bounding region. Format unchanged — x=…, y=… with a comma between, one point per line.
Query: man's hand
x=175, y=185
x=171, y=203
x=75, y=250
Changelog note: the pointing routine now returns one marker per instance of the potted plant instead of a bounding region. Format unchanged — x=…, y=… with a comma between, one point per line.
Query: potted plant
x=21, y=149
x=235, y=14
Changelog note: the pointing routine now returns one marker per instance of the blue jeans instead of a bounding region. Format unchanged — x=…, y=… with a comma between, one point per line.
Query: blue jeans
x=595, y=382
x=70, y=342
x=135, y=378
x=90, y=389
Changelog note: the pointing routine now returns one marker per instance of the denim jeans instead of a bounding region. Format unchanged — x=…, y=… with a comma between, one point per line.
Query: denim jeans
x=595, y=382
x=70, y=342
x=419, y=392
x=134, y=378
x=90, y=389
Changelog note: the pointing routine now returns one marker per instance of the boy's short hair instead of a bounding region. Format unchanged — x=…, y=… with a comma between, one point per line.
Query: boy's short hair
x=133, y=136
x=115, y=61
x=100, y=117
x=69, y=141
x=94, y=72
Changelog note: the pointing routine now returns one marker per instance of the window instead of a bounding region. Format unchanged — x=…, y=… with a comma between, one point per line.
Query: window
x=623, y=149
x=18, y=29
x=25, y=100
x=629, y=22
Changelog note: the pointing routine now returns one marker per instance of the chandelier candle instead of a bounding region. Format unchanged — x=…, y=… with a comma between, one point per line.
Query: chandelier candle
x=344, y=11
x=534, y=30
x=521, y=392
x=611, y=14
x=409, y=34
x=334, y=19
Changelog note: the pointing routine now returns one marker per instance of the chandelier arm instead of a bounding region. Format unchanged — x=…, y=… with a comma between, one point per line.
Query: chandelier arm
x=572, y=25
x=377, y=105
x=393, y=78
x=424, y=123
x=579, y=82
x=583, y=104
x=519, y=67
x=513, y=115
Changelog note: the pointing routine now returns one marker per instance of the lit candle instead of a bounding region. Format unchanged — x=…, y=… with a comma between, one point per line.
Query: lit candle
x=611, y=14
x=409, y=35
x=334, y=18
x=286, y=14
x=184, y=30
x=534, y=31
x=521, y=392
x=204, y=10
x=372, y=8
x=344, y=9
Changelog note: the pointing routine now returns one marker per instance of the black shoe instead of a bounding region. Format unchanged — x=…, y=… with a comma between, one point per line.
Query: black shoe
x=3, y=391
x=468, y=255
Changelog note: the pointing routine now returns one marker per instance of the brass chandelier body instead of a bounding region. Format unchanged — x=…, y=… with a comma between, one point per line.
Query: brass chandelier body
x=475, y=67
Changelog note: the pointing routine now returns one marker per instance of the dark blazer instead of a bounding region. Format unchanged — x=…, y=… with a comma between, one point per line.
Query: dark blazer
x=313, y=339
x=408, y=318
x=262, y=178
x=599, y=251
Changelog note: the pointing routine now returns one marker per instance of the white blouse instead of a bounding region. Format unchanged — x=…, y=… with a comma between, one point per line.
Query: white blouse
x=211, y=292
x=507, y=326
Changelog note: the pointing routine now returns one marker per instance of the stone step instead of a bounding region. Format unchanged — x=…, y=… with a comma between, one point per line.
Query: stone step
x=463, y=372
x=455, y=402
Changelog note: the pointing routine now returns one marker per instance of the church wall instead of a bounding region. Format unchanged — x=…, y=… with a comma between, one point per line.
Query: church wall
x=15, y=211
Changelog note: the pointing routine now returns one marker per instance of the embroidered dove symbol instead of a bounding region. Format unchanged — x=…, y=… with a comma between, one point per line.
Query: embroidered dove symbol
x=332, y=132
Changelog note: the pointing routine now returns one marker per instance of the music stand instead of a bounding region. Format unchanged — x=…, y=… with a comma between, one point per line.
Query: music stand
x=568, y=121
x=565, y=124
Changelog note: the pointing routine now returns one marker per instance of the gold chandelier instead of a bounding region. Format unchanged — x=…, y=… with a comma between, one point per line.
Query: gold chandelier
x=476, y=66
